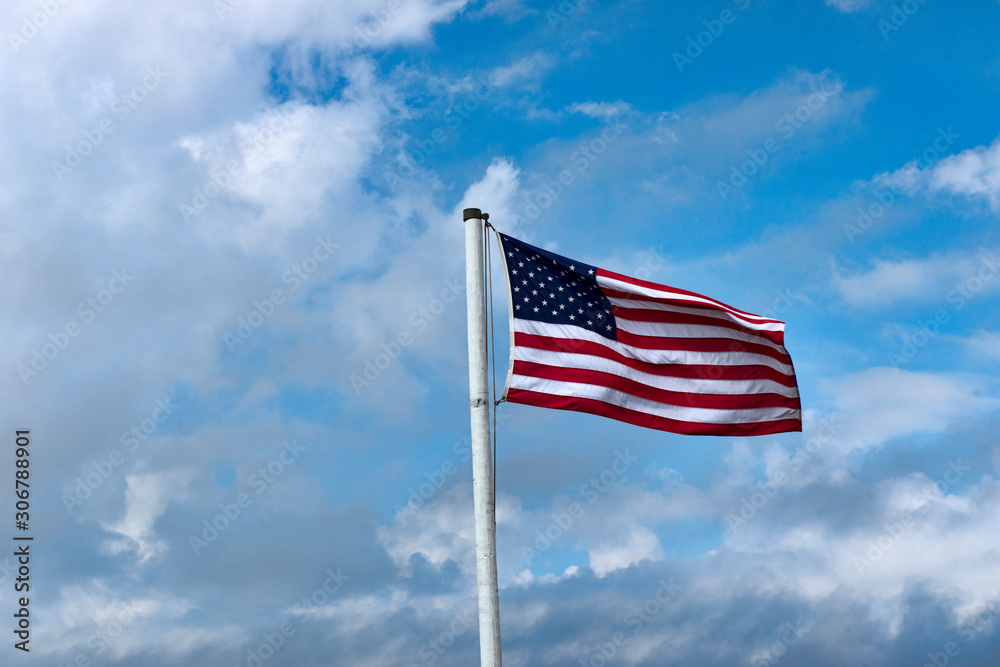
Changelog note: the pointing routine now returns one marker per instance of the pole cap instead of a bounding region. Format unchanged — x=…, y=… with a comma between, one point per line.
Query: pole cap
x=470, y=213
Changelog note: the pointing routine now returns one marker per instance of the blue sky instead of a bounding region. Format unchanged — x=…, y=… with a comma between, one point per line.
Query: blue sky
x=235, y=327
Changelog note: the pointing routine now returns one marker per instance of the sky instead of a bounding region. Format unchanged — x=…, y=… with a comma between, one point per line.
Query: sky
x=234, y=328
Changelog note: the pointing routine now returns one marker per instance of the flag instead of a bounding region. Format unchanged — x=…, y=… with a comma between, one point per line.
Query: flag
x=591, y=340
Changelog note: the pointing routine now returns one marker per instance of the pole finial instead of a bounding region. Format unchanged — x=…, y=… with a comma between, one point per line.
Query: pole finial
x=470, y=213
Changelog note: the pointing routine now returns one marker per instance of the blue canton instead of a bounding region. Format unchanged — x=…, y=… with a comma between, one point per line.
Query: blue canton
x=546, y=287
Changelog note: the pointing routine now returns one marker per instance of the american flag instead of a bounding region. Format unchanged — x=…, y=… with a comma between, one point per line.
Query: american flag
x=594, y=341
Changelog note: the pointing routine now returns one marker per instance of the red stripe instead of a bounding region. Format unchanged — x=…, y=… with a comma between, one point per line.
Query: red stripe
x=645, y=283
x=726, y=345
x=602, y=409
x=673, y=317
x=664, y=396
x=686, y=371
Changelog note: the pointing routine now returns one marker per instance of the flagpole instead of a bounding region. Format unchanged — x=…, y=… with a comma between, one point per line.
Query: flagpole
x=482, y=464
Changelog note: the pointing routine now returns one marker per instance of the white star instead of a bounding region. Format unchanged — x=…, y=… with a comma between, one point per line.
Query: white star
x=580, y=311
x=572, y=317
x=545, y=303
x=572, y=267
x=590, y=323
x=554, y=312
x=571, y=299
x=591, y=272
x=562, y=307
x=534, y=292
x=551, y=295
x=517, y=289
x=531, y=275
x=536, y=310
x=609, y=327
x=560, y=289
x=520, y=263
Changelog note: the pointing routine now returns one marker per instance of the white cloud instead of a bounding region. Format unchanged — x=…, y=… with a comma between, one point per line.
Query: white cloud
x=441, y=530
x=890, y=282
x=986, y=343
x=602, y=110
x=289, y=162
x=974, y=173
x=640, y=544
x=878, y=404
x=146, y=500
x=527, y=71
x=94, y=619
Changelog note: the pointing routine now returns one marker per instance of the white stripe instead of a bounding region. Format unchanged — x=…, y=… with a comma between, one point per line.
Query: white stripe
x=570, y=332
x=623, y=400
x=691, y=386
x=701, y=312
x=665, y=293
x=693, y=331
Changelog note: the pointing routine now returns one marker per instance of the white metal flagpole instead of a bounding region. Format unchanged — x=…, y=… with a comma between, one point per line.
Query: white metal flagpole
x=482, y=464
